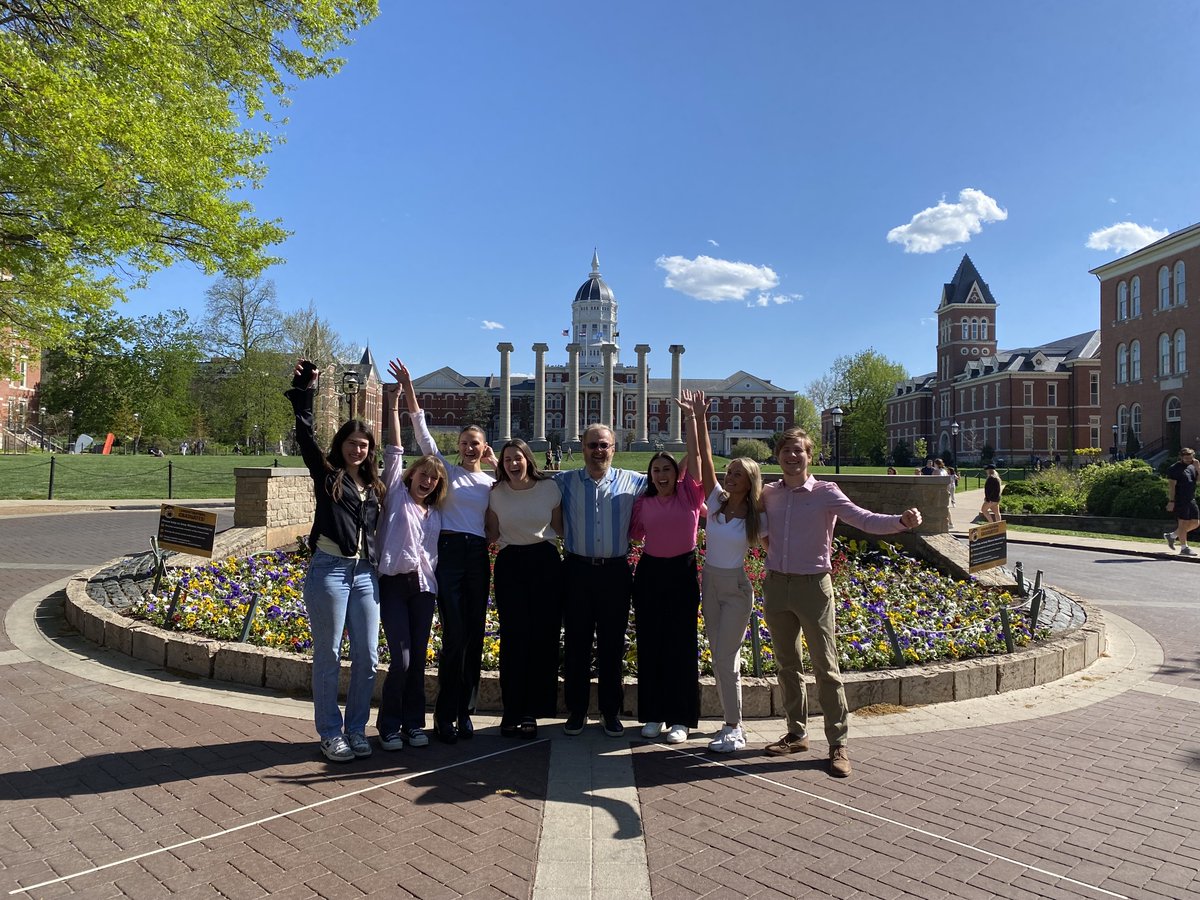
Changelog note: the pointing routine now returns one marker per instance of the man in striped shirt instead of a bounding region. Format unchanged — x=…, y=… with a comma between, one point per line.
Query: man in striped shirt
x=597, y=506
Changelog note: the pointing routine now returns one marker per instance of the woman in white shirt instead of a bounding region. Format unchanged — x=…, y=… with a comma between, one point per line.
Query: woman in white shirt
x=463, y=574
x=525, y=517
x=736, y=521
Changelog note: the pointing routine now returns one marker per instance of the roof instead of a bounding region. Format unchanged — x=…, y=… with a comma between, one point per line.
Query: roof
x=594, y=288
x=958, y=289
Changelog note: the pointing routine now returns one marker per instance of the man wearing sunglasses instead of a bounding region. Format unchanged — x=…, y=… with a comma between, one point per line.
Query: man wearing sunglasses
x=597, y=505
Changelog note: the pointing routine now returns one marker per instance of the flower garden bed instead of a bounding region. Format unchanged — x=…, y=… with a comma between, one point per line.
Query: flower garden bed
x=934, y=617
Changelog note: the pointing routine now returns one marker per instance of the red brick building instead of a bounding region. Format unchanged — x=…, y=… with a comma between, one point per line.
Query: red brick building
x=1038, y=401
x=1150, y=329
x=19, y=394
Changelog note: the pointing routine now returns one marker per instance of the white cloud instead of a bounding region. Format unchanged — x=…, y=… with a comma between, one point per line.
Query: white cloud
x=1124, y=237
x=1112, y=199
x=489, y=325
x=714, y=243
x=769, y=299
x=948, y=223
x=711, y=279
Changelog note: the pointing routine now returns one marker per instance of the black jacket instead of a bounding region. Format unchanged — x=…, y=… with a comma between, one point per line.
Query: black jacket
x=339, y=520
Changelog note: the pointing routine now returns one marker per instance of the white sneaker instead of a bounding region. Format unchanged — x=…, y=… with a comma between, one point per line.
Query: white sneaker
x=1169, y=537
x=651, y=730
x=359, y=745
x=729, y=740
x=393, y=741
x=1186, y=551
x=336, y=749
x=678, y=734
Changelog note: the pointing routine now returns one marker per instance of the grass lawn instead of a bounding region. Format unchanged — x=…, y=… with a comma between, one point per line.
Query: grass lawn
x=1108, y=536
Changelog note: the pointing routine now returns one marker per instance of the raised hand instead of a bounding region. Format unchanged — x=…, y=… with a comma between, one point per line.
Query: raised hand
x=699, y=403
x=399, y=372
x=305, y=374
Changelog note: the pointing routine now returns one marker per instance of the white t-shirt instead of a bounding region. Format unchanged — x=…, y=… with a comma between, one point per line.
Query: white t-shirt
x=466, y=501
x=524, y=516
x=725, y=539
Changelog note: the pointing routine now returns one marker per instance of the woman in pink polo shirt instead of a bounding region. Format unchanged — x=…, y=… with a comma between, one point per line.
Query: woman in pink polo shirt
x=666, y=592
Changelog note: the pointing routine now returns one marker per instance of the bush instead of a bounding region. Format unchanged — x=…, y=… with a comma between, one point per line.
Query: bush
x=1052, y=492
x=1107, y=487
x=751, y=449
x=1145, y=500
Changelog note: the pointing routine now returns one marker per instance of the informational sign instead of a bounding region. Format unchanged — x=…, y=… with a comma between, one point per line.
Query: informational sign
x=187, y=530
x=988, y=546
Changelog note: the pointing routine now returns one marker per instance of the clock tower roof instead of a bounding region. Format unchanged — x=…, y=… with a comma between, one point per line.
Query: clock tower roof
x=960, y=288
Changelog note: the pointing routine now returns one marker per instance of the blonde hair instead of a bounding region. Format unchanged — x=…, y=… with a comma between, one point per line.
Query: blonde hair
x=435, y=497
x=753, y=496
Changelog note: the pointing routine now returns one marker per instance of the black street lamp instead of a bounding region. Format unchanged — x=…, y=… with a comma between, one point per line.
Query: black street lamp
x=350, y=389
x=137, y=420
x=42, y=425
x=836, y=414
x=1116, y=430
x=955, y=428
x=70, y=427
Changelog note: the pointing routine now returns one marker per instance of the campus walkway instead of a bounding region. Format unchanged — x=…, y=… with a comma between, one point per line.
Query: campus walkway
x=120, y=781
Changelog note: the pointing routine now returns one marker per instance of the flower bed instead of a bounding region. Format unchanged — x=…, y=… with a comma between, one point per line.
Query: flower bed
x=933, y=616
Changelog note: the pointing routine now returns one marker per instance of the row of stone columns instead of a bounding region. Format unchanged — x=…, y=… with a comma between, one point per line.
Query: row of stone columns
x=571, y=429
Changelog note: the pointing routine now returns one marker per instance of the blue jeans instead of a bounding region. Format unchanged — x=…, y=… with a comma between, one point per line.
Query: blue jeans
x=342, y=594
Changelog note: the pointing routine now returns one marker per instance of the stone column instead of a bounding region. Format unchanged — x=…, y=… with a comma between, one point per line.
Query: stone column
x=505, y=393
x=539, y=441
x=571, y=398
x=674, y=429
x=606, y=399
x=641, y=439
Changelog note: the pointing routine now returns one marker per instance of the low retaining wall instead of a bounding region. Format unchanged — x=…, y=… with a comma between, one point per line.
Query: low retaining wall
x=291, y=673
x=1100, y=525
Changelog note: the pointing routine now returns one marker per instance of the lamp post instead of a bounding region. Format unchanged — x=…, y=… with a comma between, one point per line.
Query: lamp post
x=42, y=426
x=836, y=415
x=137, y=420
x=70, y=427
x=350, y=389
x=1116, y=430
x=955, y=428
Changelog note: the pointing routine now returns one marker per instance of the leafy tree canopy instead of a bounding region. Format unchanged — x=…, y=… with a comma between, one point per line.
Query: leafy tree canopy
x=861, y=385
x=129, y=130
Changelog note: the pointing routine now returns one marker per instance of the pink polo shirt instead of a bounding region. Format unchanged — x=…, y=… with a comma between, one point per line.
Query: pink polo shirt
x=668, y=524
x=800, y=523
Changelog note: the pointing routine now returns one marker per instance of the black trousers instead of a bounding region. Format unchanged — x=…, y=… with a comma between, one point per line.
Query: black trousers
x=528, y=584
x=596, y=607
x=463, y=574
x=666, y=600
x=407, y=616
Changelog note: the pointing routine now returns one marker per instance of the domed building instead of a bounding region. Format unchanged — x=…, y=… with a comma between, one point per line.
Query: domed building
x=562, y=398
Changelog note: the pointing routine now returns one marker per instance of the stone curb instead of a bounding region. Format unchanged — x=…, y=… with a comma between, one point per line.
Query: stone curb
x=761, y=698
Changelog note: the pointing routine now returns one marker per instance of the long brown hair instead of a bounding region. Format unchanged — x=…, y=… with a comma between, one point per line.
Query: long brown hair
x=368, y=470
x=531, y=468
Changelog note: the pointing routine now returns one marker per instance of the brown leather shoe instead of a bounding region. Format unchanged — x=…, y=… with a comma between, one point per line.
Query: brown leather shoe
x=789, y=743
x=839, y=762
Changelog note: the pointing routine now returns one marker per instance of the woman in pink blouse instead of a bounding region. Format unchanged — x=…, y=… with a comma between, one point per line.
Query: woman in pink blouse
x=666, y=593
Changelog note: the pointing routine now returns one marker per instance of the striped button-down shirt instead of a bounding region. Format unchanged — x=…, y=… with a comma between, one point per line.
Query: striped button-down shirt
x=596, y=514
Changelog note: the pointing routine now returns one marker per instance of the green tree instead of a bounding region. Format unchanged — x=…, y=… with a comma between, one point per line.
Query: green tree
x=750, y=449
x=131, y=131
x=479, y=410
x=809, y=418
x=861, y=385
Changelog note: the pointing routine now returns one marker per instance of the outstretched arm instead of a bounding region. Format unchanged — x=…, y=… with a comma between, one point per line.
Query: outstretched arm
x=415, y=414
x=691, y=462
x=399, y=373
x=704, y=457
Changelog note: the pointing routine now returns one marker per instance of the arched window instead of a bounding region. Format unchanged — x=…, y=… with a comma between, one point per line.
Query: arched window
x=1164, y=356
x=449, y=418
x=1180, y=352
x=631, y=402
x=1122, y=301
x=714, y=423
x=758, y=423
x=1180, y=284
x=427, y=401
x=1174, y=409
x=629, y=421
x=736, y=424
x=983, y=329
x=1135, y=361
x=1122, y=427
x=1122, y=364
x=554, y=420
x=652, y=425
x=1164, y=287
x=974, y=329
x=1135, y=296
x=780, y=423
x=966, y=327
x=1135, y=421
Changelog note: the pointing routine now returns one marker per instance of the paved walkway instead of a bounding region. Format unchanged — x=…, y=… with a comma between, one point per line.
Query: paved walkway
x=117, y=780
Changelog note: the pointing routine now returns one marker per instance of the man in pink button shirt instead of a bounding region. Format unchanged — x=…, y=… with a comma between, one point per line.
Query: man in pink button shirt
x=801, y=515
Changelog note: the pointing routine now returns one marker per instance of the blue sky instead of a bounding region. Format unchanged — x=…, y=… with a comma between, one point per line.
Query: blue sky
x=739, y=167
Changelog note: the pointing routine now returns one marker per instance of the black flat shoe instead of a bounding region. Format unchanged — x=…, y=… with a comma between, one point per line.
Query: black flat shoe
x=510, y=730
x=446, y=732
x=466, y=730
x=528, y=729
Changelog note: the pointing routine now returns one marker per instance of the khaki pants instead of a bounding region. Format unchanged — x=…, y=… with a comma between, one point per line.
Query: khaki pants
x=795, y=604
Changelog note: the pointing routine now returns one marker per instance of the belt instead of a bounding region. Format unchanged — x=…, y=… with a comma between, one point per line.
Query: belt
x=598, y=560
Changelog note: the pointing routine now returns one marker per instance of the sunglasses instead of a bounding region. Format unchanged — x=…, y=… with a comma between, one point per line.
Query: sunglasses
x=599, y=445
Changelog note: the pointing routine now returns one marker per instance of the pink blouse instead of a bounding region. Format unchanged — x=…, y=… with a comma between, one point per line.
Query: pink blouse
x=668, y=524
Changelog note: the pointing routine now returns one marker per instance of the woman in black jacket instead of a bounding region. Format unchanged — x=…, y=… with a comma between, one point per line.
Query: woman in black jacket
x=341, y=590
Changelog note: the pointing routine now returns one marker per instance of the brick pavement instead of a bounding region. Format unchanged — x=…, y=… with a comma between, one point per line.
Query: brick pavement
x=1095, y=799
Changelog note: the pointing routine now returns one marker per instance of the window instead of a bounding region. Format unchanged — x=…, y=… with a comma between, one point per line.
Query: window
x=966, y=327
x=652, y=425
x=737, y=404
x=1028, y=386
x=1052, y=434
x=780, y=423
x=714, y=423
x=1135, y=421
x=1135, y=361
x=758, y=423
x=983, y=329
x=1164, y=355
x=653, y=406
x=1174, y=408
x=1135, y=296
x=736, y=423
x=985, y=396
x=1180, y=352
x=715, y=405
x=1122, y=301
x=1029, y=432
x=779, y=404
x=945, y=404
x=974, y=329
x=630, y=402
x=758, y=403
x=1052, y=394
x=1122, y=365
x=1093, y=431
x=1180, y=285
x=1094, y=389
x=1122, y=426
x=1164, y=287
x=973, y=398
x=629, y=421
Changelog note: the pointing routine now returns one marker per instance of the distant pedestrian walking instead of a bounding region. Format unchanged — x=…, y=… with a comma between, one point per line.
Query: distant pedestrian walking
x=992, y=488
x=1181, y=500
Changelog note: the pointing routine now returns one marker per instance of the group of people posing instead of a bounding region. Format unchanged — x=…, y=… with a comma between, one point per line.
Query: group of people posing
x=393, y=549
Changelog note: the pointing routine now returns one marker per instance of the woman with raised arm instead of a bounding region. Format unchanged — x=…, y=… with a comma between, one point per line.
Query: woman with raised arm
x=735, y=523
x=408, y=556
x=463, y=574
x=666, y=592
x=341, y=590
x=524, y=517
